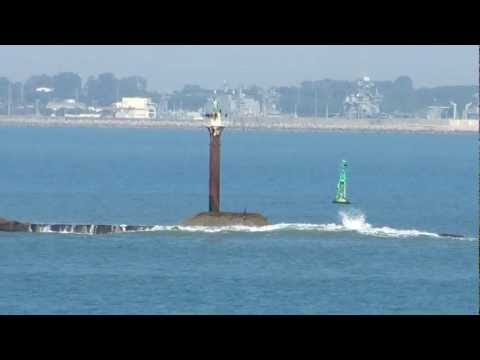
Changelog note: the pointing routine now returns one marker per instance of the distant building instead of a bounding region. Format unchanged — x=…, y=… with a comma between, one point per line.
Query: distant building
x=269, y=108
x=471, y=110
x=194, y=115
x=235, y=103
x=91, y=112
x=227, y=103
x=135, y=108
x=65, y=107
x=248, y=107
x=72, y=109
x=162, y=106
x=270, y=103
x=437, y=112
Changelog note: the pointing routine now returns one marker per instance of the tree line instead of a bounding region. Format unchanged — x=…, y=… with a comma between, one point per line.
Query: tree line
x=322, y=96
x=399, y=96
x=307, y=99
x=101, y=90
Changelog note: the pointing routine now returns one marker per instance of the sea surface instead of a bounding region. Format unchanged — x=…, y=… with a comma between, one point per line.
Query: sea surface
x=383, y=254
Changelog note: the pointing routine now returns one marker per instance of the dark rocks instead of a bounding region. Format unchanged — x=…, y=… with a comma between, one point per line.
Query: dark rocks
x=451, y=235
x=77, y=228
x=226, y=219
x=10, y=225
x=105, y=229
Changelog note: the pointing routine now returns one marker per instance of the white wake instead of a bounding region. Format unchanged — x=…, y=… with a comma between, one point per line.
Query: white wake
x=350, y=221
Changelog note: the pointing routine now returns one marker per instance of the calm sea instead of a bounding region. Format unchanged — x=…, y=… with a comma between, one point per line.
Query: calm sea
x=381, y=255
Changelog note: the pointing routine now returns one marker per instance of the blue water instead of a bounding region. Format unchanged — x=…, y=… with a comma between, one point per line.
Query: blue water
x=361, y=262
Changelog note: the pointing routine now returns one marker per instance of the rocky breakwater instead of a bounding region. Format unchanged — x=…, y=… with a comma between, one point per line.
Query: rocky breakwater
x=226, y=219
x=16, y=226
x=11, y=225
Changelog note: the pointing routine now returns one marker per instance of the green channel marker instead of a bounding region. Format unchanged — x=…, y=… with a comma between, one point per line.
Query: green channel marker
x=341, y=197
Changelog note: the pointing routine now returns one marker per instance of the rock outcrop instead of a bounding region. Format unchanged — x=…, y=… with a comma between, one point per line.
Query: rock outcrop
x=226, y=219
x=10, y=225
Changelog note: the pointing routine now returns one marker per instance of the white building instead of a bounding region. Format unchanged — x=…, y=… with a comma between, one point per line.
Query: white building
x=135, y=108
x=248, y=107
x=194, y=115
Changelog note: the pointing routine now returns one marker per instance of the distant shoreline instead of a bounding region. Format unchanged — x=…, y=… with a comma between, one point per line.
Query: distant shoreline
x=283, y=123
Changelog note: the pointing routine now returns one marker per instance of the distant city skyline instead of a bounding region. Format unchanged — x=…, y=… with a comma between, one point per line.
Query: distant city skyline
x=169, y=68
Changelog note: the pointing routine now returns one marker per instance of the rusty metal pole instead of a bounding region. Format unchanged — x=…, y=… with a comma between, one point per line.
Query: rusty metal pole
x=214, y=181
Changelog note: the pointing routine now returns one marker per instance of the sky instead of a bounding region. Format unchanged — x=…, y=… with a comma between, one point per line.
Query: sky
x=170, y=67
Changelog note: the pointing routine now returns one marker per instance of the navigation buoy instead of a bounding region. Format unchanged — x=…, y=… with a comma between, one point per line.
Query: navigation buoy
x=341, y=197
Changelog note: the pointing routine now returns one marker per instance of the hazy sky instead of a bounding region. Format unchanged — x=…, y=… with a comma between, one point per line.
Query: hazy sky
x=170, y=67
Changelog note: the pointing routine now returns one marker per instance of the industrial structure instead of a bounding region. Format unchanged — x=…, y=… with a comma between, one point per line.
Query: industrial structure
x=470, y=116
x=235, y=102
x=365, y=102
x=471, y=110
x=437, y=112
x=451, y=112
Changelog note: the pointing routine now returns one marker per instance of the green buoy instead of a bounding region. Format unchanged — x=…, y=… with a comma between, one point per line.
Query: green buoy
x=341, y=197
